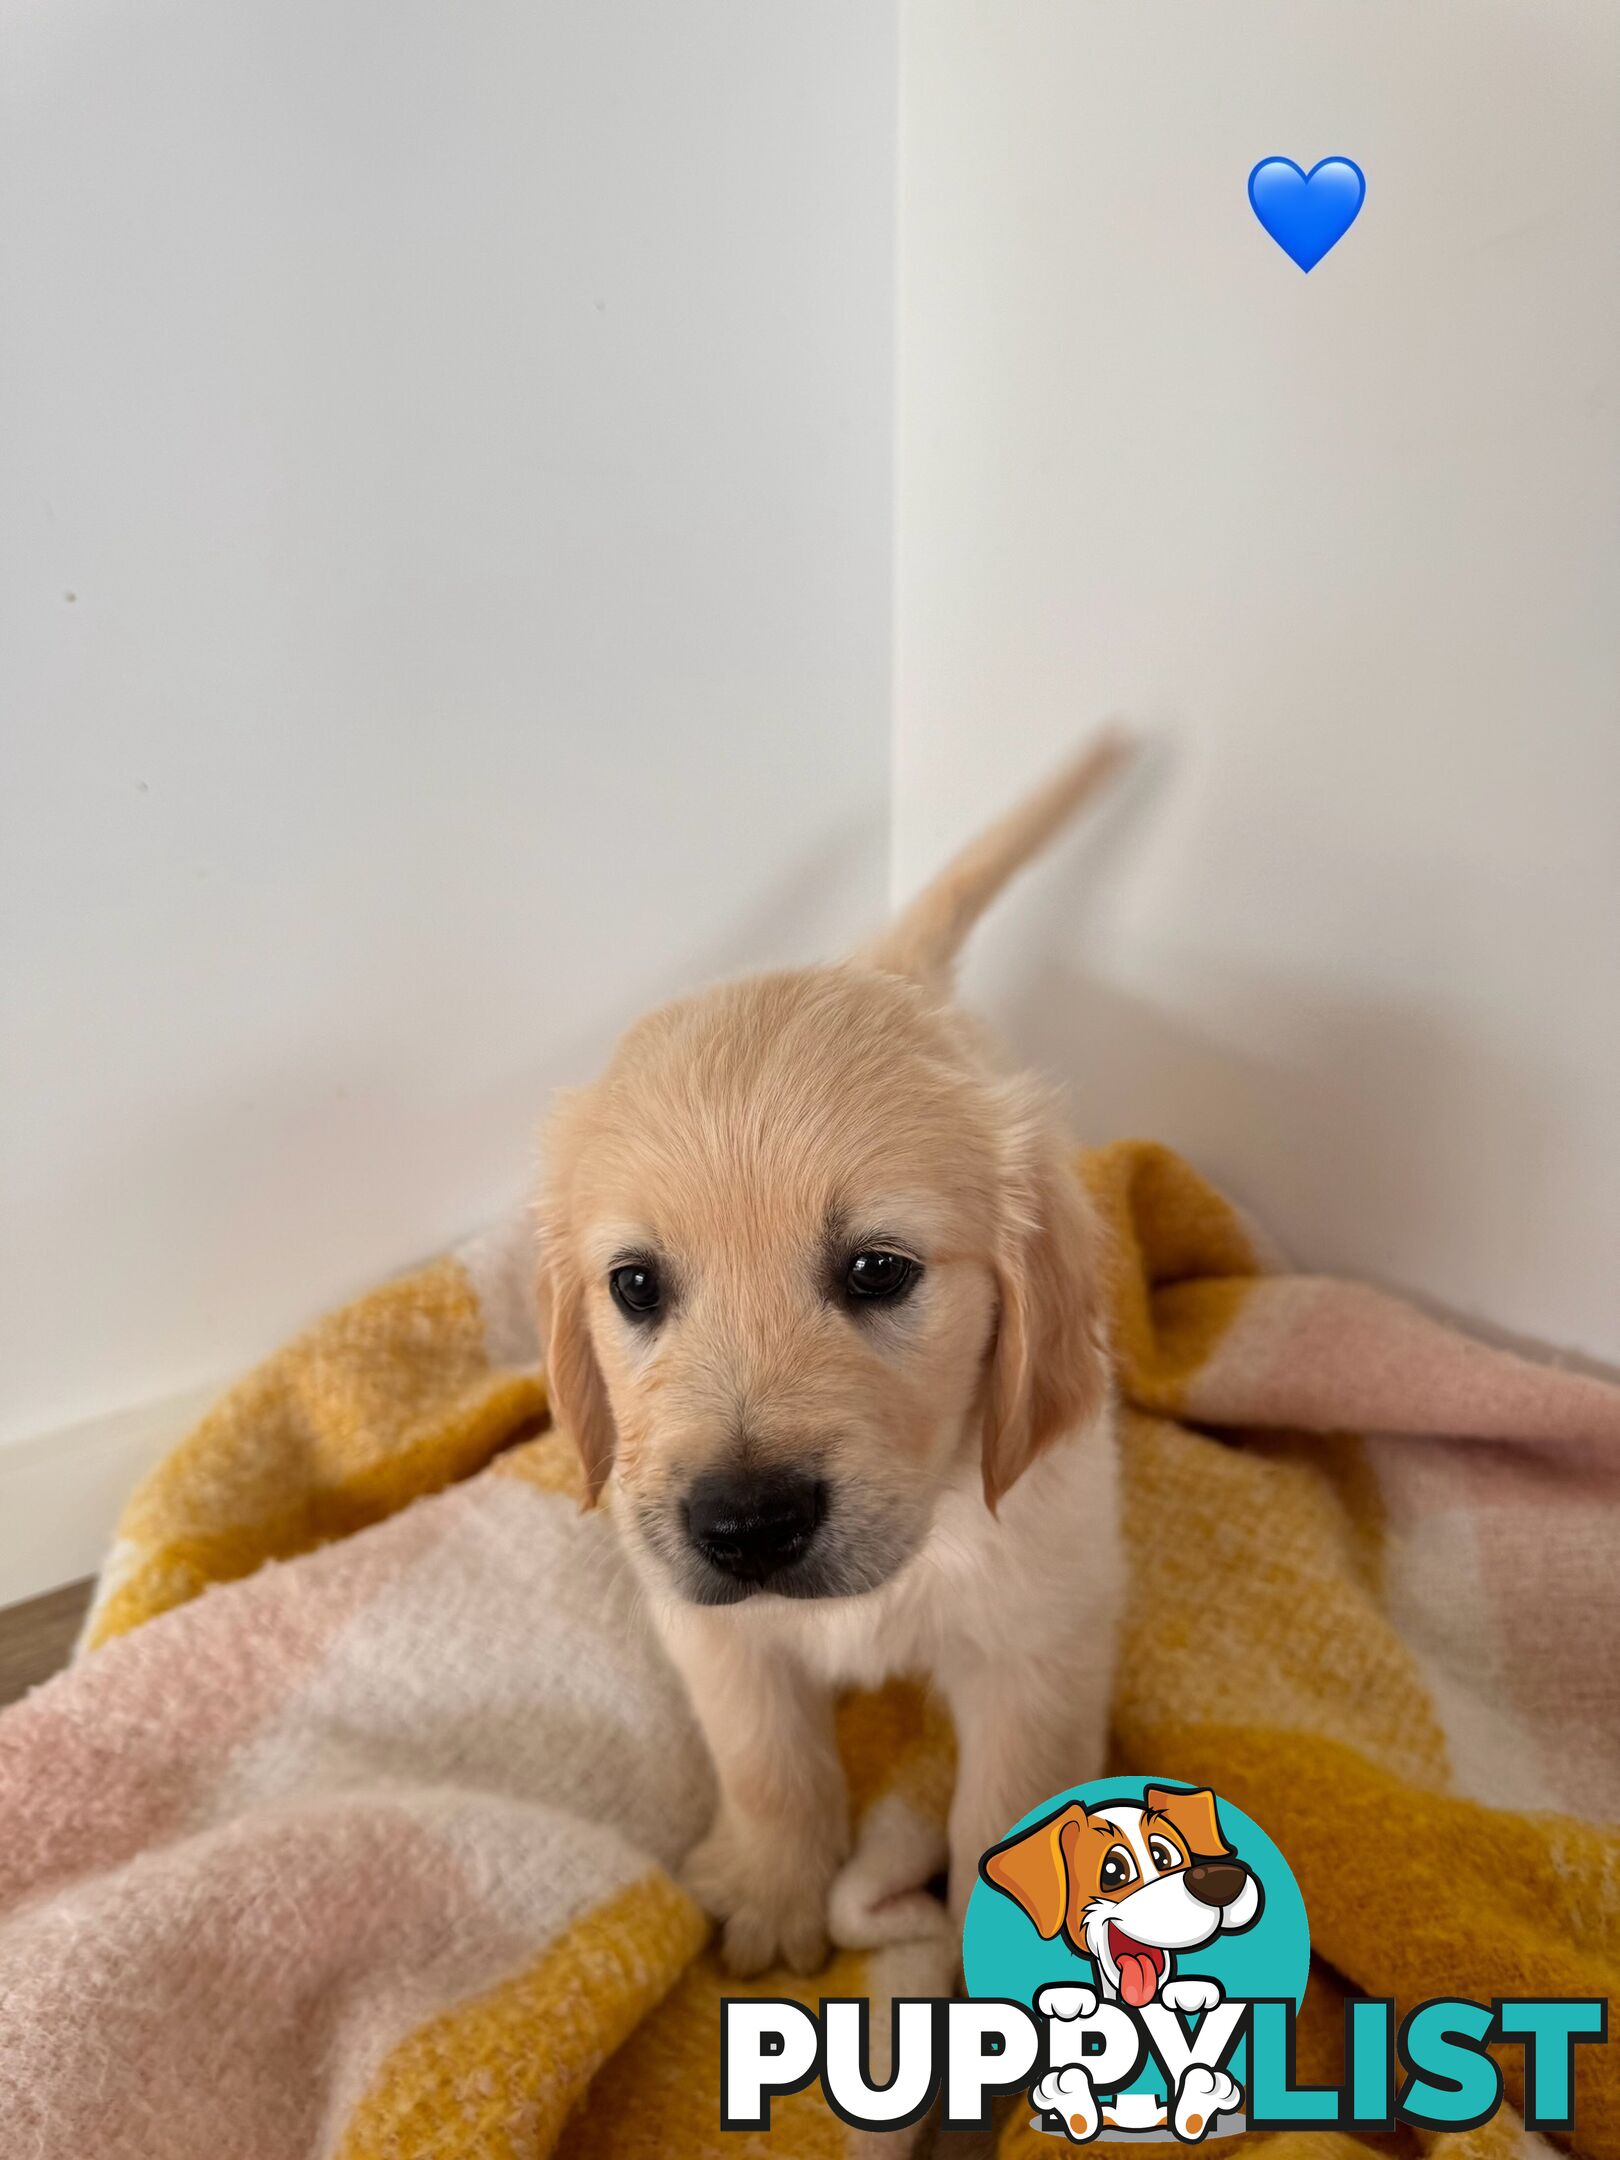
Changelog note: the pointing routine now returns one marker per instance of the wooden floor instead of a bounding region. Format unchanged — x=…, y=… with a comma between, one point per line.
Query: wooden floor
x=35, y=1638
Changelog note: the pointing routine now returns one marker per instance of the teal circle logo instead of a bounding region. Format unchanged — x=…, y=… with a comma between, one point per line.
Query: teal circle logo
x=1147, y=1894
x=1136, y=1954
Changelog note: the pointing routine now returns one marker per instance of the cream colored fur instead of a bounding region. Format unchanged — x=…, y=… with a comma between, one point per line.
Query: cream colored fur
x=967, y=1435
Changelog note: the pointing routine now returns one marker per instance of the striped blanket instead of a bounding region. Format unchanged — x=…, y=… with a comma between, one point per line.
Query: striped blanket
x=355, y=1835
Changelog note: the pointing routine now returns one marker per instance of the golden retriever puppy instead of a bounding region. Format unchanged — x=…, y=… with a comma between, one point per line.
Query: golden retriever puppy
x=820, y=1296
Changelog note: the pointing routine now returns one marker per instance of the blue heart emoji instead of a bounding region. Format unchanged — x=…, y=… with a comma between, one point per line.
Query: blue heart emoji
x=1307, y=213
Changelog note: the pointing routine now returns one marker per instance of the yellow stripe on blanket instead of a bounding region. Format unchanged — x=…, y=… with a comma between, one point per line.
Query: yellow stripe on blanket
x=392, y=1397
x=498, y=2076
x=1170, y=1313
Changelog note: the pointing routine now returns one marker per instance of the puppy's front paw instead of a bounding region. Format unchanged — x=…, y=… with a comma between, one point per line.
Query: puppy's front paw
x=769, y=1895
x=1202, y=2095
x=1064, y=2003
x=1190, y=1997
x=1068, y=2094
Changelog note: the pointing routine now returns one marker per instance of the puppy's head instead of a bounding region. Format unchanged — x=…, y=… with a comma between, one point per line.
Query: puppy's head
x=1129, y=1885
x=803, y=1255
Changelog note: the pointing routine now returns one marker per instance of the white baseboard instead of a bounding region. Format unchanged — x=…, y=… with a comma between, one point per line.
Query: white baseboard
x=61, y=1492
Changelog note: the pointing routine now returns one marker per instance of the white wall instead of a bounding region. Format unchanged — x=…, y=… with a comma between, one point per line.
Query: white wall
x=1350, y=539
x=466, y=437
x=445, y=510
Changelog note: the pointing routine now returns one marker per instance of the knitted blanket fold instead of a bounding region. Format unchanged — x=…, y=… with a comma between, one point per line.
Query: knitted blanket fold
x=356, y=1834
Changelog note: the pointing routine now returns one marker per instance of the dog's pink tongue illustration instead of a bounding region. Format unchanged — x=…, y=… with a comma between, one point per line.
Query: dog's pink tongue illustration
x=1139, y=1967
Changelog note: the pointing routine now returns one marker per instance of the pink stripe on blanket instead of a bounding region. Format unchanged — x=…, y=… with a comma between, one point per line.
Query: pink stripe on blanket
x=1331, y=1356
x=90, y=1772
x=1552, y=1575
x=253, y=1977
x=1500, y=1482
x=1499, y=1566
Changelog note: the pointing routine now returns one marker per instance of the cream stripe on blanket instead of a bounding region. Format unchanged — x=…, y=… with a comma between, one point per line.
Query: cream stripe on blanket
x=368, y=1851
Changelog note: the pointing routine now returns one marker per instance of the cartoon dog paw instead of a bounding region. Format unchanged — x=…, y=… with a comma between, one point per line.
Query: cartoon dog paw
x=1064, y=2003
x=1067, y=2093
x=1191, y=1997
x=1201, y=2096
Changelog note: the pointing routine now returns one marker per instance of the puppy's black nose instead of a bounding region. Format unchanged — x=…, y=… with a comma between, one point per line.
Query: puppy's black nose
x=1215, y=1882
x=752, y=1525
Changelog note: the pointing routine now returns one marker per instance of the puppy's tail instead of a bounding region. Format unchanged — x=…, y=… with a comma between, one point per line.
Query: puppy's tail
x=924, y=939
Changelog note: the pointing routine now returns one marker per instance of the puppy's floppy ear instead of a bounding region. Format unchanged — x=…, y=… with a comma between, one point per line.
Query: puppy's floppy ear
x=1048, y=1367
x=1194, y=1815
x=574, y=1381
x=1033, y=1869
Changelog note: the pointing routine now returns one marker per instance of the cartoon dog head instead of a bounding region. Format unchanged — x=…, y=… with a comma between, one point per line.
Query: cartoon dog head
x=1128, y=1885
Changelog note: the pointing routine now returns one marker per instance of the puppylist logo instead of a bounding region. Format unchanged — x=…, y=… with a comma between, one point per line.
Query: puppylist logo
x=1141, y=1892
x=1135, y=1954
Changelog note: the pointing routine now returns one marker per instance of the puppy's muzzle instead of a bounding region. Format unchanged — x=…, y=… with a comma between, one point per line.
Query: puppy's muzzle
x=752, y=1526
x=1216, y=1882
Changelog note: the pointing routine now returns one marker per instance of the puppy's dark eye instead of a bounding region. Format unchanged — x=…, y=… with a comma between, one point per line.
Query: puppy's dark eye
x=636, y=1290
x=1117, y=1869
x=880, y=1275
